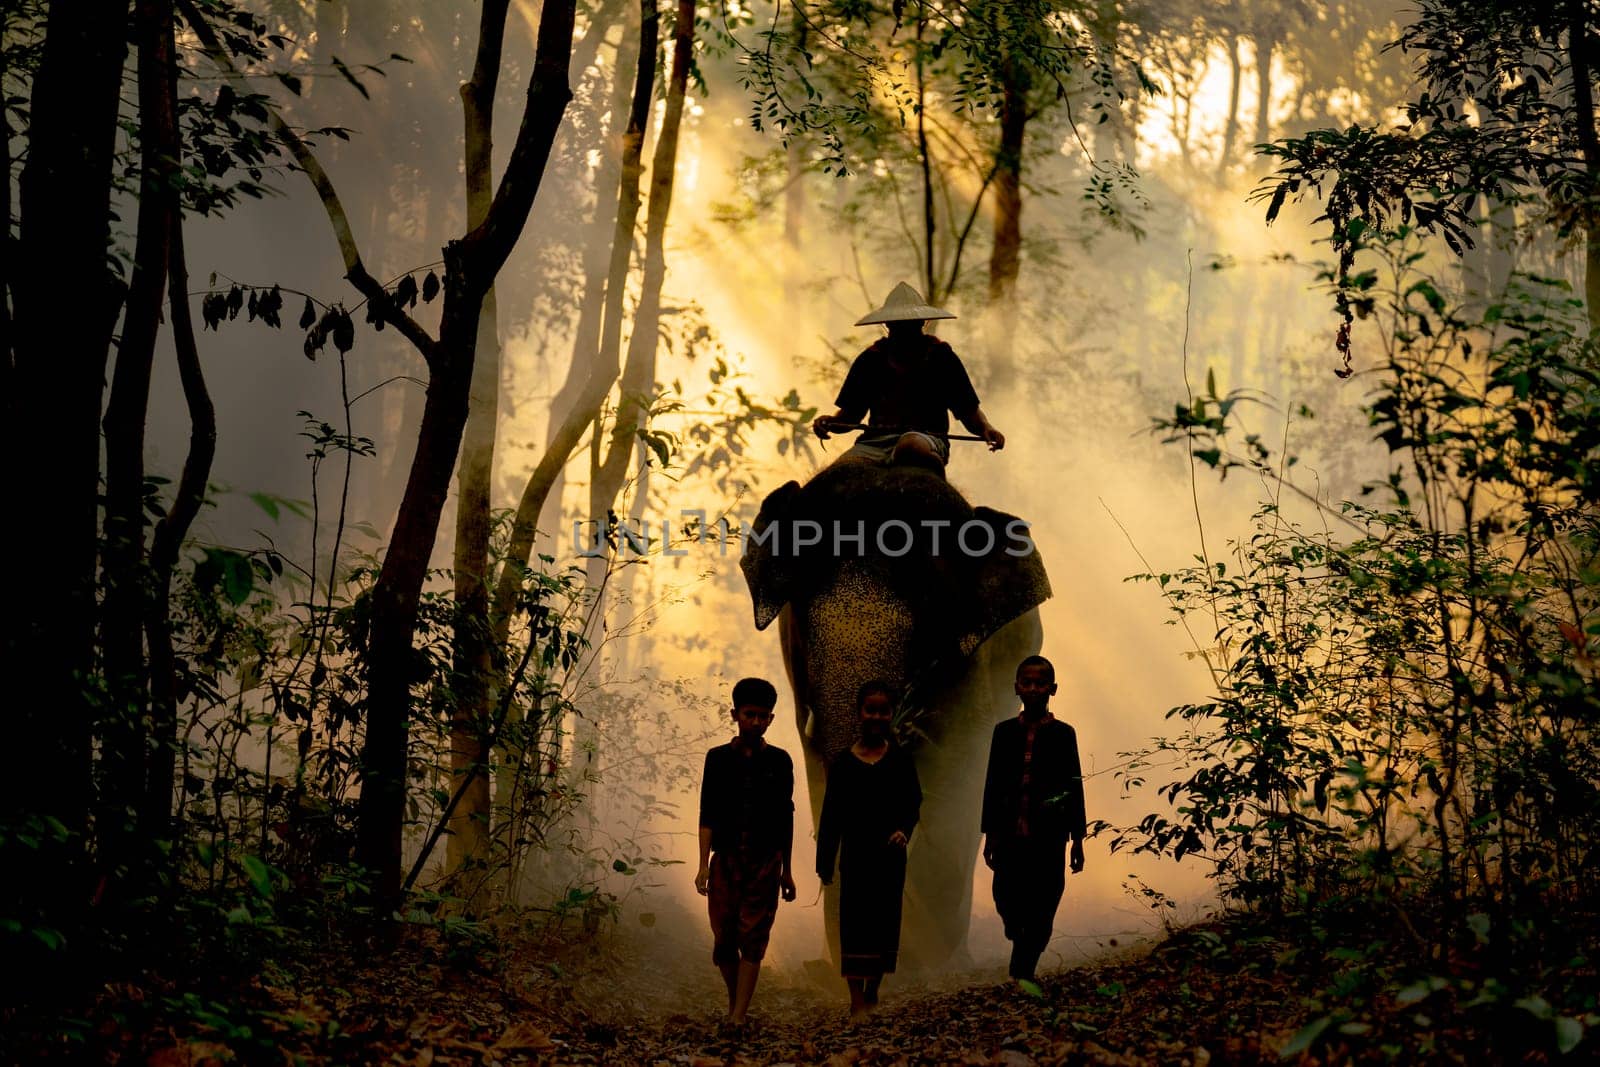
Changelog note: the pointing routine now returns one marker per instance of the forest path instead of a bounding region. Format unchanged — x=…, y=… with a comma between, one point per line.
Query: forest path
x=621, y=1007
x=1231, y=993
x=800, y=1016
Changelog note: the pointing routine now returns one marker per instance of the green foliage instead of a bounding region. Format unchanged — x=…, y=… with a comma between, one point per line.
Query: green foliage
x=271, y=670
x=1501, y=120
x=839, y=70
x=600, y=871
x=231, y=146
x=222, y=814
x=860, y=86
x=716, y=444
x=1399, y=750
x=1409, y=705
x=31, y=837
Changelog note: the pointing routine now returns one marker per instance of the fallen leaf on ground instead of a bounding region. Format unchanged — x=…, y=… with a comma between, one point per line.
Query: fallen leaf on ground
x=191, y=1054
x=524, y=1035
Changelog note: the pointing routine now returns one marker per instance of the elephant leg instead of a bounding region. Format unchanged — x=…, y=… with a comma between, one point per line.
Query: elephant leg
x=792, y=640
x=816, y=784
x=950, y=763
x=939, y=868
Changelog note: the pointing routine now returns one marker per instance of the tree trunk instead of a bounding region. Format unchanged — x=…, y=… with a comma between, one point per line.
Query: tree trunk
x=8, y=253
x=124, y=738
x=475, y=655
x=1230, y=128
x=1266, y=44
x=1502, y=246
x=794, y=153
x=392, y=662
x=586, y=337
x=925, y=157
x=474, y=652
x=1475, y=261
x=604, y=367
x=471, y=265
x=1005, y=259
x=1111, y=136
x=603, y=370
x=638, y=376
x=167, y=541
x=663, y=173
x=794, y=195
x=1589, y=143
x=544, y=491
x=65, y=305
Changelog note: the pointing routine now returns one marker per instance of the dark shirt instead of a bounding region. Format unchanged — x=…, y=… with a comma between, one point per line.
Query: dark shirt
x=918, y=396
x=864, y=804
x=748, y=800
x=1037, y=787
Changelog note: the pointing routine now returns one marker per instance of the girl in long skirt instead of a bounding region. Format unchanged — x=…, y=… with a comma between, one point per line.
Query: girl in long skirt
x=868, y=813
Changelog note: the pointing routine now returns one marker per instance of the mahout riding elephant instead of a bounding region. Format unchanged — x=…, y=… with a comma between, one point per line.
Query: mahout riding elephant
x=888, y=572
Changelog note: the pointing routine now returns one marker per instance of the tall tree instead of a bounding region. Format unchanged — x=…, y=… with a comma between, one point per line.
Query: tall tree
x=477, y=715
x=603, y=367
x=471, y=263
x=626, y=453
x=166, y=542
x=126, y=737
x=512, y=798
x=945, y=92
x=469, y=831
x=599, y=370
x=64, y=306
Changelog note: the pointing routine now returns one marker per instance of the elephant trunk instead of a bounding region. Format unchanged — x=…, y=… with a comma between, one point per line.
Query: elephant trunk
x=854, y=631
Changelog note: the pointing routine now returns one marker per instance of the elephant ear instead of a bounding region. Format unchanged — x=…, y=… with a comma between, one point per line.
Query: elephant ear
x=772, y=579
x=1008, y=581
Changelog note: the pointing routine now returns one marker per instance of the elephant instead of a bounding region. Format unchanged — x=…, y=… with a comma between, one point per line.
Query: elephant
x=945, y=613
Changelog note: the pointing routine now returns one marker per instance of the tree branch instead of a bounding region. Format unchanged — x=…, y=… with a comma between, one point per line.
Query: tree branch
x=489, y=244
x=355, y=270
x=966, y=230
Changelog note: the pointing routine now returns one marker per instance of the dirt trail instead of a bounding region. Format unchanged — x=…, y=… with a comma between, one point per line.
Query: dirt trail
x=954, y=1018
x=654, y=1002
x=1212, y=993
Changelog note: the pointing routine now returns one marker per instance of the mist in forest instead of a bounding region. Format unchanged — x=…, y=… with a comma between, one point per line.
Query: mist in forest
x=1125, y=304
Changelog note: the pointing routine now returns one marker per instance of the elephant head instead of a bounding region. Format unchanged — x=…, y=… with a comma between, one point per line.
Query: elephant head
x=888, y=572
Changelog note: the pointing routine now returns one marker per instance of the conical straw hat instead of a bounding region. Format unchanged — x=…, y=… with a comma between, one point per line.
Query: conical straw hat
x=904, y=304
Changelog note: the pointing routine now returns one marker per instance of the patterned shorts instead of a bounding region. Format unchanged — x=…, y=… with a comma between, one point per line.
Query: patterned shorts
x=743, y=901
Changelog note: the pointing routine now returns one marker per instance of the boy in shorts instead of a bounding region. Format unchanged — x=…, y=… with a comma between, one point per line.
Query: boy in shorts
x=746, y=831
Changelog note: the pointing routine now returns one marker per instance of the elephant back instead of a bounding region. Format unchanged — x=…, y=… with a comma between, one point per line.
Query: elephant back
x=962, y=572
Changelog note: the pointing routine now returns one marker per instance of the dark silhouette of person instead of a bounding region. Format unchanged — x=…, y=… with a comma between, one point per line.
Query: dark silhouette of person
x=868, y=813
x=746, y=831
x=1032, y=805
x=910, y=382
